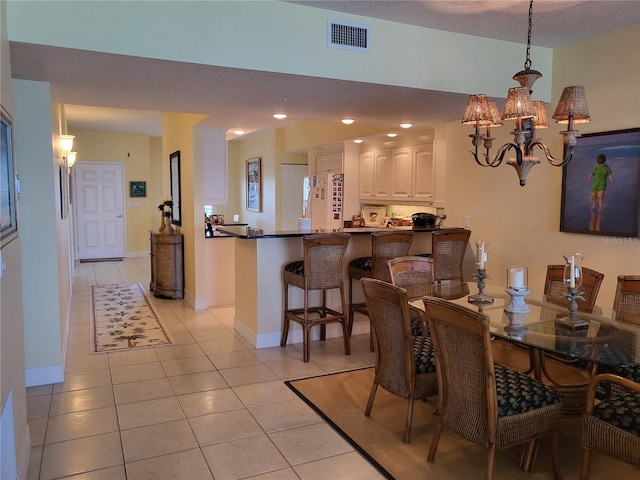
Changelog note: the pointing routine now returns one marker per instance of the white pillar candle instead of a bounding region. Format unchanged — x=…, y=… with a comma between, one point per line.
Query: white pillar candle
x=516, y=278
x=481, y=256
x=572, y=275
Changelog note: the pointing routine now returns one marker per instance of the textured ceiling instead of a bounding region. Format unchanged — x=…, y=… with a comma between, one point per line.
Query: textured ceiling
x=124, y=93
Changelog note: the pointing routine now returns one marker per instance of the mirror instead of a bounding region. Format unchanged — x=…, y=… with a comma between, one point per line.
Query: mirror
x=174, y=165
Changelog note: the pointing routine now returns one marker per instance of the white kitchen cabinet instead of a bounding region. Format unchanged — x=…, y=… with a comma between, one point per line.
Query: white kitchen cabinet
x=367, y=173
x=423, y=173
x=210, y=155
x=401, y=173
x=374, y=175
x=329, y=163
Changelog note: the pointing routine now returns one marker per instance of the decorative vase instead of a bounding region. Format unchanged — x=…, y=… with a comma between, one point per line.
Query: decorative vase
x=162, y=221
x=168, y=226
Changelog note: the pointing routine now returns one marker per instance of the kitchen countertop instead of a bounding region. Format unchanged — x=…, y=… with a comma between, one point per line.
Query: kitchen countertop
x=249, y=232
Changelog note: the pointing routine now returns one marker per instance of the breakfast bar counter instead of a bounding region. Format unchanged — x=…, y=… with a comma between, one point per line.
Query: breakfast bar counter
x=259, y=259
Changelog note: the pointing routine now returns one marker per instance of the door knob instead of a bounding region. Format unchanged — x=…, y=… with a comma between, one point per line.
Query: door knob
x=118, y=216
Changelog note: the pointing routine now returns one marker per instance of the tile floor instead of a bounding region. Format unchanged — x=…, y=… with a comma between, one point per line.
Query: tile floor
x=210, y=406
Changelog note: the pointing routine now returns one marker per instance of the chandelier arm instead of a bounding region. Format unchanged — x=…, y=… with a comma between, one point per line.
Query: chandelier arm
x=568, y=154
x=504, y=149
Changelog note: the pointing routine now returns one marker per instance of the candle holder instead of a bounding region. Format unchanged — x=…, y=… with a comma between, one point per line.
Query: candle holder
x=481, y=264
x=517, y=289
x=572, y=320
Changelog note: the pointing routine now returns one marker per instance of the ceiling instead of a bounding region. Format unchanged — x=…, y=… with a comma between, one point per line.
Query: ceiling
x=99, y=96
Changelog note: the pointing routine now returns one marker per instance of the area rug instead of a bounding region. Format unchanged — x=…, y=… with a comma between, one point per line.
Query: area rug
x=341, y=399
x=97, y=260
x=122, y=318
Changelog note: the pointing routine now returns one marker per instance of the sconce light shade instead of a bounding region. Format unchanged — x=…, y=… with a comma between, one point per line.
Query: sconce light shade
x=540, y=120
x=519, y=104
x=572, y=102
x=66, y=144
x=477, y=111
x=71, y=158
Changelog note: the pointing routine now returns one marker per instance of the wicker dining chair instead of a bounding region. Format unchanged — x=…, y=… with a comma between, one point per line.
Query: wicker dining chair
x=415, y=275
x=612, y=427
x=448, y=248
x=320, y=269
x=489, y=405
x=405, y=364
x=555, y=289
x=626, y=303
x=384, y=246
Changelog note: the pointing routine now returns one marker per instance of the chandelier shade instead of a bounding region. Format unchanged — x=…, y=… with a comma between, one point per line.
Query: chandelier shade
x=573, y=103
x=540, y=120
x=519, y=104
x=477, y=111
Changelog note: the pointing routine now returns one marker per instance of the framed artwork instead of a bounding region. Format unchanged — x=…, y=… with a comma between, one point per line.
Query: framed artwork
x=601, y=185
x=176, y=197
x=64, y=190
x=8, y=181
x=137, y=189
x=254, y=186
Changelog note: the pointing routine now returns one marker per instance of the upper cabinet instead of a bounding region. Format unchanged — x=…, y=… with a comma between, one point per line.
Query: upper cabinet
x=398, y=174
x=210, y=155
x=330, y=163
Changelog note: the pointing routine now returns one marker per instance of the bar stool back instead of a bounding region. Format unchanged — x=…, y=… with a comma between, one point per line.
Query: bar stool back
x=384, y=246
x=320, y=269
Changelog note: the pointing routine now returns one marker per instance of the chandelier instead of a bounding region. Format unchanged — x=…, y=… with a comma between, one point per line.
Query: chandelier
x=528, y=115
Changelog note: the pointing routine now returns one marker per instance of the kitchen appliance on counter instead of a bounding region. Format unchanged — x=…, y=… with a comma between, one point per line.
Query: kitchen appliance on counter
x=327, y=191
x=429, y=220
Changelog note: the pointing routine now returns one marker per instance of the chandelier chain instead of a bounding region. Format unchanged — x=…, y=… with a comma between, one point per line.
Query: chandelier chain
x=527, y=63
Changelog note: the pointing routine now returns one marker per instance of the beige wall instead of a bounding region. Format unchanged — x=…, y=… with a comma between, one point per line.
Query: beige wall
x=141, y=156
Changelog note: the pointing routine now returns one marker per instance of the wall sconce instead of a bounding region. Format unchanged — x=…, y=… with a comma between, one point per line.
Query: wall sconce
x=71, y=158
x=66, y=144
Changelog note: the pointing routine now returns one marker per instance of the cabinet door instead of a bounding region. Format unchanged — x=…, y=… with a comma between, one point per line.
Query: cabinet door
x=401, y=173
x=329, y=163
x=367, y=172
x=381, y=178
x=423, y=173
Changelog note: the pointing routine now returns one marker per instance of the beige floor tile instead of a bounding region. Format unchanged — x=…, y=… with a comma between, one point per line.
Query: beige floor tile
x=349, y=465
x=79, y=350
x=340, y=362
x=137, y=373
x=224, y=427
x=243, y=458
x=155, y=440
x=132, y=357
x=274, y=417
x=220, y=334
x=309, y=443
x=210, y=401
x=263, y=393
x=198, y=382
x=77, y=338
x=276, y=354
x=240, y=358
x=78, y=400
x=182, y=338
x=79, y=329
x=33, y=472
x=38, y=407
x=183, y=366
x=37, y=430
x=111, y=473
x=285, y=474
x=75, y=425
x=246, y=375
x=222, y=346
x=83, y=380
x=294, y=368
x=173, y=352
x=142, y=390
x=149, y=412
x=89, y=362
x=81, y=455
x=189, y=464
x=40, y=390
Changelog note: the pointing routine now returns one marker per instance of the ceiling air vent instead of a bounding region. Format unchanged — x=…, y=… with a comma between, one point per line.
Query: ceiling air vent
x=349, y=36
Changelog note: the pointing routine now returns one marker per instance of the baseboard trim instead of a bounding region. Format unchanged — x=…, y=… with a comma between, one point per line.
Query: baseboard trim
x=144, y=253
x=34, y=377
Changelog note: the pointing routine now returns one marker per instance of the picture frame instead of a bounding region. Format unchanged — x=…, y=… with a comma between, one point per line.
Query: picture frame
x=617, y=213
x=137, y=189
x=64, y=190
x=254, y=185
x=176, y=194
x=8, y=181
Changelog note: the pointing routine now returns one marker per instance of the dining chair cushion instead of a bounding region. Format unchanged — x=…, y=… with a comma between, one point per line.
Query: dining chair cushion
x=519, y=393
x=621, y=410
x=297, y=267
x=363, y=263
x=423, y=354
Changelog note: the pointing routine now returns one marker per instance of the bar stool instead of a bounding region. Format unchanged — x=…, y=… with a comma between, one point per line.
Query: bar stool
x=384, y=246
x=320, y=269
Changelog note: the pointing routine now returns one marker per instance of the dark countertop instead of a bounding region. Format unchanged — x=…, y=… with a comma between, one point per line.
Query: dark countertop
x=249, y=232
x=219, y=234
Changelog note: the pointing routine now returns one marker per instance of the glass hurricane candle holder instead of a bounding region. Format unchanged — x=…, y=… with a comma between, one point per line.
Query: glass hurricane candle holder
x=517, y=281
x=572, y=278
x=481, y=264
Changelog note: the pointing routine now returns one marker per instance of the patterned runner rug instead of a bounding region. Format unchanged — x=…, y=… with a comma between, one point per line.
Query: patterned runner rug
x=122, y=318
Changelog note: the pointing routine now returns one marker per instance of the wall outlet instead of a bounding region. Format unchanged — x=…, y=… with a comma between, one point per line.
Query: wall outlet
x=456, y=220
x=467, y=221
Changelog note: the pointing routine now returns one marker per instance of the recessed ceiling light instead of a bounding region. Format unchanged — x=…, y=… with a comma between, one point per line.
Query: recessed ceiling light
x=239, y=132
x=279, y=116
x=358, y=140
x=392, y=135
x=406, y=125
x=347, y=121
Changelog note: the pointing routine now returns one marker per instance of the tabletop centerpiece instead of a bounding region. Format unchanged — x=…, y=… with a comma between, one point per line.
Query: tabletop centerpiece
x=481, y=265
x=572, y=278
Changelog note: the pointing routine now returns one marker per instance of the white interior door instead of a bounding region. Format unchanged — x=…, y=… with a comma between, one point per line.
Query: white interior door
x=99, y=209
x=291, y=194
